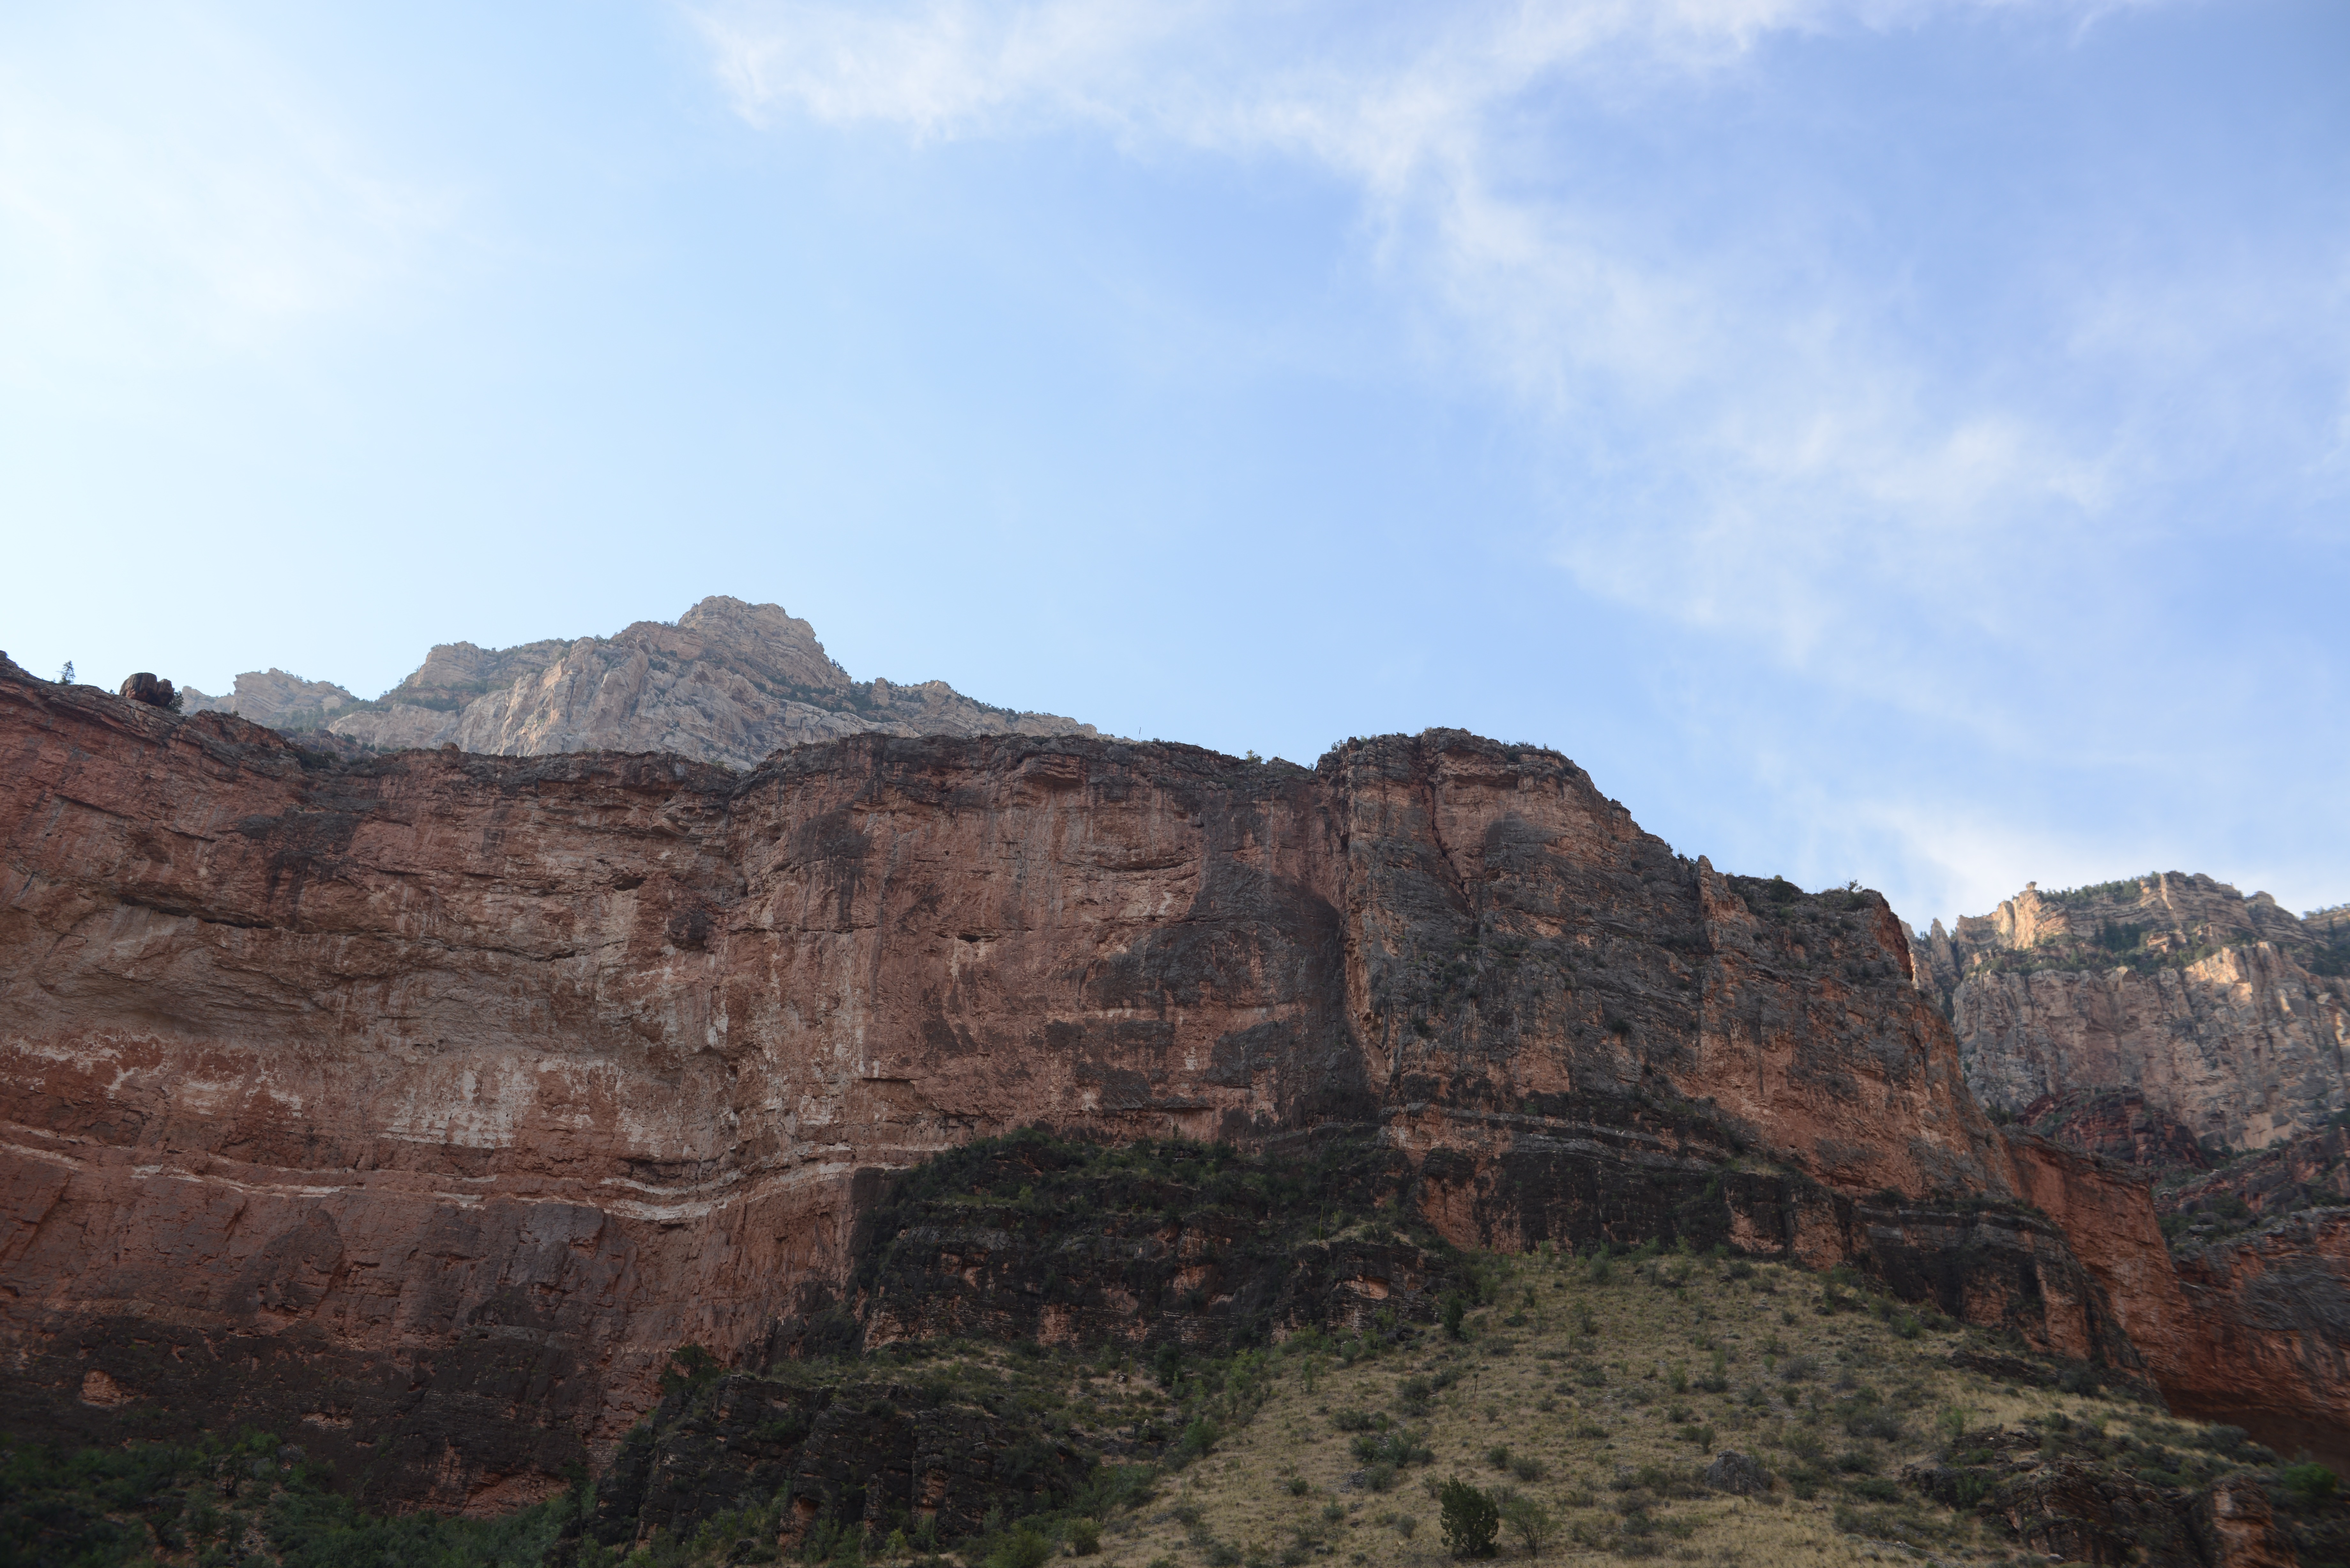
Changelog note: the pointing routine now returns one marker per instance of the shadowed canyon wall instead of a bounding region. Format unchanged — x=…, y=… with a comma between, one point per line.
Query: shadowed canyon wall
x=420, y=1103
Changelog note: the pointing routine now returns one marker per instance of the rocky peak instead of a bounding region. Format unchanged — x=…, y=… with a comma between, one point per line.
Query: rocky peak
x=276, y=699
x=728, y=682
x=2203, y=1008
x=2165, y=917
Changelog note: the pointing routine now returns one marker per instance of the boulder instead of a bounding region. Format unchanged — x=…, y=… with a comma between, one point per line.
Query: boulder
x=145, y=688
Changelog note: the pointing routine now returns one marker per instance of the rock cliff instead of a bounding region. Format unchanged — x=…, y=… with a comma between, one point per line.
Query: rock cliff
x=280, y=701
x=729, y=683
x=2223, y=1014
x=437, y=1097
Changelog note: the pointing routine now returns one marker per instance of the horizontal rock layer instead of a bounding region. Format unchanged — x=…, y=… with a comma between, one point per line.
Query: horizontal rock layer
x=437, y=1097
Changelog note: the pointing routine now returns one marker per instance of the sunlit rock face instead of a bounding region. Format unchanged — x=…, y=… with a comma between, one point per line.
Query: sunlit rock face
x=2224, y=1014
x=420, y=1103
x=729, y=682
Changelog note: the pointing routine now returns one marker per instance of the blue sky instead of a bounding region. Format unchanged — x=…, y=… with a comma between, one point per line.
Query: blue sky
x=1897, y=441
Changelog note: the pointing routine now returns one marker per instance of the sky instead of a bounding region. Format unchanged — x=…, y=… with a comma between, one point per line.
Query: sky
x=1884, y=439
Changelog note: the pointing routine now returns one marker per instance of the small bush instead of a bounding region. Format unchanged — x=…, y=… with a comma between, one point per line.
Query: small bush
x=1469, y=1519
x=690, y=1370
x=1025, y=1548
x=2310, y=1482
x=1530, y=1520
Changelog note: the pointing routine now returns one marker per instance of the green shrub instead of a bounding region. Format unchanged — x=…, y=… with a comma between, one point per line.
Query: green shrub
x=690, y=1370
x=1530, y=1521
x=2310, y=1482
x=1469, y=1519
x=1023, y=1547
x=1198, y=1439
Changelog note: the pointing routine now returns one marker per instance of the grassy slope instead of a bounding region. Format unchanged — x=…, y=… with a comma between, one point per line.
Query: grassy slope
x=1521, y=1383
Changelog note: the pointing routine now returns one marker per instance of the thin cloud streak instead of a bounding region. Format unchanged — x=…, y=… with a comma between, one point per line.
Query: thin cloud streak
x=1805, y=434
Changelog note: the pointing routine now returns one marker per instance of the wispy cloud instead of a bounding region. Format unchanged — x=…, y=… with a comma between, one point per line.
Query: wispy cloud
x=1775, y=424
x=1808, y=448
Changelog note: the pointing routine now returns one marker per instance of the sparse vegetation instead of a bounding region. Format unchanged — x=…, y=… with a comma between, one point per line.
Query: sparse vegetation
x=1593, y=1425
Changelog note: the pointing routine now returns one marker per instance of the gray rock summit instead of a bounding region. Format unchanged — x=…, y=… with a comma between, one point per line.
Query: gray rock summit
x=730, y=682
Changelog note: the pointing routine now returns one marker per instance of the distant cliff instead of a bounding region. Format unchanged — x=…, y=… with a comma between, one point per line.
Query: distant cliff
x=730, y=682
x=2160, y=1019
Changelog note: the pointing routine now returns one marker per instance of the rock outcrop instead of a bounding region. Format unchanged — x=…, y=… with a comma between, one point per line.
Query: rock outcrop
x=729, y=683
x=437, y=1097
x=2225, y=1014
x=280, y=701
x=867, y=1450
x=143, y=687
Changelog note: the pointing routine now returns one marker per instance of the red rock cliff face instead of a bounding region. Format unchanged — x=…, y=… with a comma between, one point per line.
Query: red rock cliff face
x=423, y=1103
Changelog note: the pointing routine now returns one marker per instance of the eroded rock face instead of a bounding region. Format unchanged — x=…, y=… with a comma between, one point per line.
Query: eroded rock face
x=276, y=699
x=2225, y=1014
x=2120, y=1125
x=729, y=683
x=867, y=1450
x=435, y=1097
x=1037, y=1241
x=2161, y=1023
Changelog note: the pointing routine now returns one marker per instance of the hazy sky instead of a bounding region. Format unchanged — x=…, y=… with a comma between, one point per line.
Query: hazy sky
x=1897, y=441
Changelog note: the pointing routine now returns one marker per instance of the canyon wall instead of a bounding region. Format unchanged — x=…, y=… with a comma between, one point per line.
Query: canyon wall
x=422, y=1103
x=2225, y=1015
x=2169, y=1023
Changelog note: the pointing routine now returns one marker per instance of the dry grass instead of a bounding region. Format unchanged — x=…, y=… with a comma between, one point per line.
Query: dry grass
x=1521, y=1382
